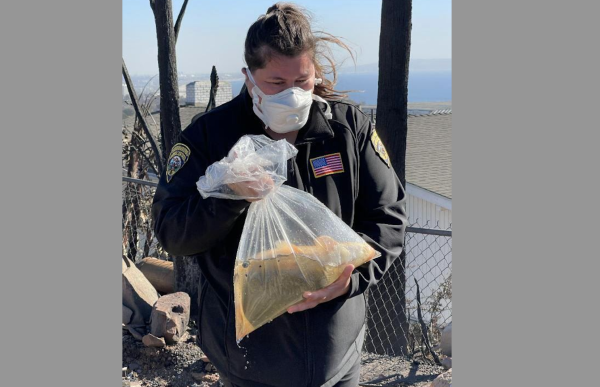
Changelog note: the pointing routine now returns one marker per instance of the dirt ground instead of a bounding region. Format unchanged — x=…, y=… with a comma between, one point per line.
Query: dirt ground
x=181, y=366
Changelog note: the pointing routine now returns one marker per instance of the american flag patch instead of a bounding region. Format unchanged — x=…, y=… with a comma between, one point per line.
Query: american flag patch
x=327, y=165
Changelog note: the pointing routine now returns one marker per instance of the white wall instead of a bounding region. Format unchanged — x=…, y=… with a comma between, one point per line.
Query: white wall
x=420, y=211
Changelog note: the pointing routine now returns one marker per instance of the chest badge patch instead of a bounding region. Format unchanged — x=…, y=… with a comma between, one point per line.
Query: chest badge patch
x=180, y=154
x=379, y=148
x=327, y=165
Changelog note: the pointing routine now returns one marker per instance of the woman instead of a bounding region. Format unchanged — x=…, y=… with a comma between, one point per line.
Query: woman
x=318, y=342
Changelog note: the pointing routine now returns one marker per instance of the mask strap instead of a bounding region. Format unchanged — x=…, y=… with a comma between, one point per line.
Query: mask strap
x=258, y=113
x=327, y=113
x=250, y=76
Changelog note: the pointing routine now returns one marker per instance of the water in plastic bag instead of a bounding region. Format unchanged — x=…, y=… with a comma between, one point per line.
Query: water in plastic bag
x=291, y=243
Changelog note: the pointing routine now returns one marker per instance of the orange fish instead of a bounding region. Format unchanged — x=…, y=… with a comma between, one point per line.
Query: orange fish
x=273, y=280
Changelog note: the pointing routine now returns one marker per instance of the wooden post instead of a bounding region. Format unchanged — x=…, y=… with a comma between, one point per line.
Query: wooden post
x=392, y=103
x=170, y=123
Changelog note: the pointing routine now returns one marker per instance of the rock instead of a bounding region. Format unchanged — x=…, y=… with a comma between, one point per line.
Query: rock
x=138, y=293
x=134, y=332
x=211, y=378
x=170, y=317
x=205, y=359
x=443, y=380
x=198, y=376
x=152, y=341
x=159, y=272
x=134, y=366
x=127, y=313
x=184, y=338
x=446, y=340
x=447, y=363
x=210, y=368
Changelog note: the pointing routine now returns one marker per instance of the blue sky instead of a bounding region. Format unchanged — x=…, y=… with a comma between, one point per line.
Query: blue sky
x=213, y=32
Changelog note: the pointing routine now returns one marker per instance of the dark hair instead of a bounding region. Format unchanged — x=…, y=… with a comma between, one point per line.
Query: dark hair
x=285, y=30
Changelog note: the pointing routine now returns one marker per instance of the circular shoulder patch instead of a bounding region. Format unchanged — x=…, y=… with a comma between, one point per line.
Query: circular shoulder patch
x=379, y=148
x=180, y=154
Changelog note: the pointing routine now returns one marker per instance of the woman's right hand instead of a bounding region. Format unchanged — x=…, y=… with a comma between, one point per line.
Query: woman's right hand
x=253, y=190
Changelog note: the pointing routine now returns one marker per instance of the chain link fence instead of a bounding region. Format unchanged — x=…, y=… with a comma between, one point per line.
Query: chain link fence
x=423, y=272
x=393, y=324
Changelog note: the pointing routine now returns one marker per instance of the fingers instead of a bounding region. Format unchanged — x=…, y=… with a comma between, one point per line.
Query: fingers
x=304, y=305
x=347, y=273
x=332, y=291
x=336, y=289
x=263, y=186
x=267, y=182
x=254, y=189
x=312, y=299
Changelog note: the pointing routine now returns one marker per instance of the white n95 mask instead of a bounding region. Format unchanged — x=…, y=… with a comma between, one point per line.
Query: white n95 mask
x=283, y=112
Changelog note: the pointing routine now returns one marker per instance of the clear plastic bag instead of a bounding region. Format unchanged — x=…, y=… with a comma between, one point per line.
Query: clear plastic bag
x=257, y=161
x=291, y=243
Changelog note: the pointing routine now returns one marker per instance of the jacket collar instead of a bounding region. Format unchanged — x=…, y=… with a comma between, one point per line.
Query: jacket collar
x=317, y=127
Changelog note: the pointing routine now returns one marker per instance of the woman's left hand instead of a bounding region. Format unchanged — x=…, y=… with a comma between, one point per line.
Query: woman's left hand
x=336, y=289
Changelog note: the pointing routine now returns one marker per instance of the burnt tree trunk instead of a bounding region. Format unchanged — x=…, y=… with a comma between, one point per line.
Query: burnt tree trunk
x=170, y=123
x=148, y=242
x=186, y=269
x=392, y=99
x=179, y=19
x=214, y=86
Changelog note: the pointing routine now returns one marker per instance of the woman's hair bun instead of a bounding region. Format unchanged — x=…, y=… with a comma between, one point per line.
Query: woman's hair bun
x=274, y=8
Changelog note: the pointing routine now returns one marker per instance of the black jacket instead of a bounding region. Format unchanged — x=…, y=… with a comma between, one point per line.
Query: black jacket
x=311, y=348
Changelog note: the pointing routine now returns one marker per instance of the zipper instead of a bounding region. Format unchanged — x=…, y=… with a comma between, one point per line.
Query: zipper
x=309, y=187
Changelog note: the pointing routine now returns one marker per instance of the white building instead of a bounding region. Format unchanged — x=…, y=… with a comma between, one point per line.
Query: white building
x=198, y=93
x=182, y=92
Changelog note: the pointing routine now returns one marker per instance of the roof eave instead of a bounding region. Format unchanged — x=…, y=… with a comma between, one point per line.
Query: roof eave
x=429, y=196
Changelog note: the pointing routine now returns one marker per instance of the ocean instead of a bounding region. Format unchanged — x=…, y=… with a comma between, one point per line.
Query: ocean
x=423, y=86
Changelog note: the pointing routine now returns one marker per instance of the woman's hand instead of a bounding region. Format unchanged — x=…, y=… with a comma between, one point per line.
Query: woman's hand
x=253, y=190
x=255, y=184
x=336, y=289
